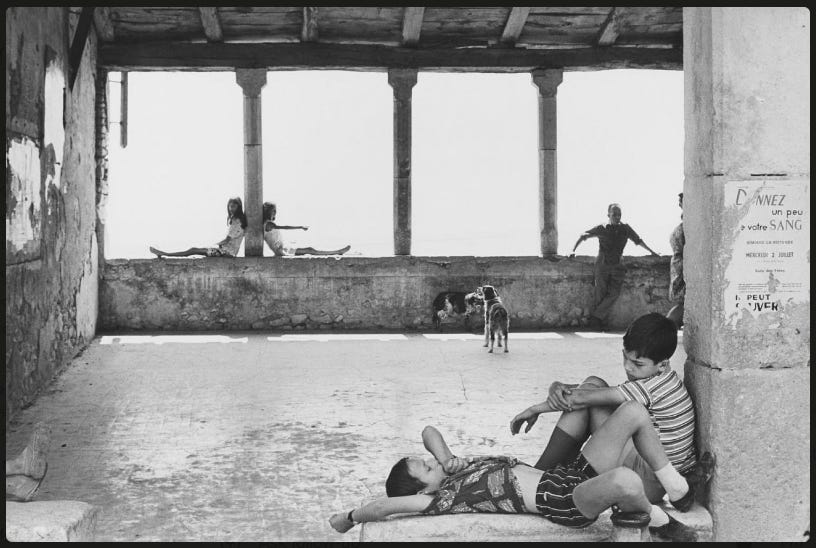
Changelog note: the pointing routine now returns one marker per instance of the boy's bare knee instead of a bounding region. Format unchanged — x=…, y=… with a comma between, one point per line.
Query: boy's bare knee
x=634, y=411
x=592, y=380
x=627, y=483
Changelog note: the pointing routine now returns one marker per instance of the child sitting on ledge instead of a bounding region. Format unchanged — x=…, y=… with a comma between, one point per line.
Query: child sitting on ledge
x=280, y=247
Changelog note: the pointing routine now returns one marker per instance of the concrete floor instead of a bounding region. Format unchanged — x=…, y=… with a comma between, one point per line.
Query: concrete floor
x=261, y=437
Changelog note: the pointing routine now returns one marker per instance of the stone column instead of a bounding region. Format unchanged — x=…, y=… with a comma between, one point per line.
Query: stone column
x=251, y=82
x=747, y=307
x=547, y=83
x=101, y=157
x=402, y=80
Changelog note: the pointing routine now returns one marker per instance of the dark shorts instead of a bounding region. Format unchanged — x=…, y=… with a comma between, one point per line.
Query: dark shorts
x=554, y=493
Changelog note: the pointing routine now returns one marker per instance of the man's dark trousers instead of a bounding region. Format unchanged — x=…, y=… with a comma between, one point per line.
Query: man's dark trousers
x=608, y=283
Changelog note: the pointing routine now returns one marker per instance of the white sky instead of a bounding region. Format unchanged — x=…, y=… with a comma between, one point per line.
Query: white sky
x=327, y=149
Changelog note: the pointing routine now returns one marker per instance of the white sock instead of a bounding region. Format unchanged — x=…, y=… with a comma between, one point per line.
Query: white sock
x=671, y=480
x=659, y=517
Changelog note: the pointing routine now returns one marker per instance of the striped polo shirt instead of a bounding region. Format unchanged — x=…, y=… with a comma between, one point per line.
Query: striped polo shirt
x=672, y=413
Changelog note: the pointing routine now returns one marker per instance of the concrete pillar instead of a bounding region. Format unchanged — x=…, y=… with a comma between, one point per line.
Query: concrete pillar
x=402, y=80
x=547, y=83
x=251, y=82
x=101, y=157
x=747, y=325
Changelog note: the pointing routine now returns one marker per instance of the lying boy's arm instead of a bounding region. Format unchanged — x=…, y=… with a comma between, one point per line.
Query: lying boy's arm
x=435, y=444
x=379, y=510
x=581, y=398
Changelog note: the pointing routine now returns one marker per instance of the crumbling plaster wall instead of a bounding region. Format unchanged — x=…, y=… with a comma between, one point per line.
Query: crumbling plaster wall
x=51, y=251
x=269, y=293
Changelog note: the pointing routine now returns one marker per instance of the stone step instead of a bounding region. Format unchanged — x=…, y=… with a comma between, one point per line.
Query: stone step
x=510, y=528
x=51, y=520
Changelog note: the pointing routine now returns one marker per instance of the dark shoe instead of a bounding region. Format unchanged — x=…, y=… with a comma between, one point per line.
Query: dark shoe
x=697, y=479
x=685, y=503
x=632, y=520
x=674, y=531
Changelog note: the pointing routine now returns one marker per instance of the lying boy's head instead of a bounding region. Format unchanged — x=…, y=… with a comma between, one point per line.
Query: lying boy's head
x=412, y=475
x=651, y=338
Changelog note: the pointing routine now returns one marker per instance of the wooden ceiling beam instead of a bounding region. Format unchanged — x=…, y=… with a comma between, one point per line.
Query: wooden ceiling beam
x=83, y=29
x=309, y=32
x=211, y=24
x=103, y=24
x=207, y=56
x=610, y=30
x=412, y=25
x=515, y=24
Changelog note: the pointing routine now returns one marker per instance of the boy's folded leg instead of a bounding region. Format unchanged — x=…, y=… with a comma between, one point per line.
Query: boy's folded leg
x=674, y=531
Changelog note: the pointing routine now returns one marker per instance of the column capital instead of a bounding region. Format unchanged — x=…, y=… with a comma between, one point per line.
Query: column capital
x=402, y=79
x=547, y=80
x=251, y=80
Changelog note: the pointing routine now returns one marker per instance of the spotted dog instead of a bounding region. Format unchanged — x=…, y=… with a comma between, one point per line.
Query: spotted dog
x=455, y=304
x=496, y=318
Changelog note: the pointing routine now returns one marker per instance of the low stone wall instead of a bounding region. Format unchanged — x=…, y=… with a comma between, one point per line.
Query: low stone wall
x=353, y=293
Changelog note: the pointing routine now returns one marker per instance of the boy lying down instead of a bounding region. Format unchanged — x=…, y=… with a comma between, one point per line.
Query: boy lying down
x=573, y=495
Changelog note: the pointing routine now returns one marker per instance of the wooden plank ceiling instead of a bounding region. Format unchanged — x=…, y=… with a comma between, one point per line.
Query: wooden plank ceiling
x=458, y=39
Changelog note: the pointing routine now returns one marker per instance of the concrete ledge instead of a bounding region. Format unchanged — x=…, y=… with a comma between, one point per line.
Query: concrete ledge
x=356, y=293
x=53, y=520
x=510, y=528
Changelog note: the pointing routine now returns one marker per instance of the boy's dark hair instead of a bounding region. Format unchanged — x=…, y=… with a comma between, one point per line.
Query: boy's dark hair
x=652, y=336
x=400, y=483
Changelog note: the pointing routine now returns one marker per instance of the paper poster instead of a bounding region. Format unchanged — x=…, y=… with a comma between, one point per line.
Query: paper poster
x=770, y=262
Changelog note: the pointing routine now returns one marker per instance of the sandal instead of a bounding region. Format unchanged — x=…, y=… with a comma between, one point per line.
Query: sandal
x=674, y=531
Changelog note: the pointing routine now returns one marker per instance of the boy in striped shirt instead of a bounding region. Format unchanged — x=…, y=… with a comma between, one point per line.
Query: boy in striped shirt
x=648, y=344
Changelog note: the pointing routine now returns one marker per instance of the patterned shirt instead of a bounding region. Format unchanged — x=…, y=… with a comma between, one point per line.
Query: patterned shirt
x=486, y=485
x=672, y=413
x=611, y=241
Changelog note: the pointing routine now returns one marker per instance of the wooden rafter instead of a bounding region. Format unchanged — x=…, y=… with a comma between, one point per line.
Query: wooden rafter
x=515, y=23
x=412, y=25
x=309, y=32
x=211, y=24
x=103, y=24
x=316, y=56
x=83, y=28
x=610, y=30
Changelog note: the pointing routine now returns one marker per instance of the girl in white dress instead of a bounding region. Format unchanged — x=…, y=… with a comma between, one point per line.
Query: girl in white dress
x=228, y=247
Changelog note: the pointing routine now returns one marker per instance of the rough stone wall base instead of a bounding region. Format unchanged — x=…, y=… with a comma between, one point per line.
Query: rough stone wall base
x=354, y=293
x=50, y=521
